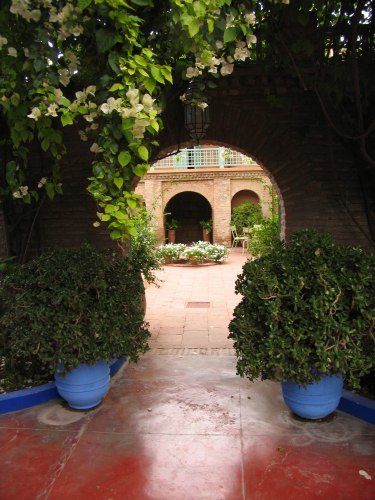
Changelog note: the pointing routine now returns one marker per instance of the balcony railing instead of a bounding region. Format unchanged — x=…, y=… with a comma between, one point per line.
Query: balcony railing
x=205, y=158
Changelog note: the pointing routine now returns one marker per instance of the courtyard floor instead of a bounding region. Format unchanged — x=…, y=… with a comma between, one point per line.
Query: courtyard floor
x=181, y=425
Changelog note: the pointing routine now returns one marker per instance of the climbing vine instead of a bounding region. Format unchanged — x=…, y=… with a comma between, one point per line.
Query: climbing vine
x=106, y=67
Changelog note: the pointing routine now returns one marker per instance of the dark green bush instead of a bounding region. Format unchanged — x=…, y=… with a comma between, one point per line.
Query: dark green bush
x=307, y=310
x=143, y=252
x=263, y=237
x=68, y=307
x=246, y=215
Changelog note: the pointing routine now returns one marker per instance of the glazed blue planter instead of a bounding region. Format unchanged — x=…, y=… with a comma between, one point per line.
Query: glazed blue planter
x=317, y=400
x=84, y=387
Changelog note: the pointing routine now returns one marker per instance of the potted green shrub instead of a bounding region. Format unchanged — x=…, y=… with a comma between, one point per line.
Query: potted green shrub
x=171, y=226
x=206, y=226
x=69, y=313
x=306, y=319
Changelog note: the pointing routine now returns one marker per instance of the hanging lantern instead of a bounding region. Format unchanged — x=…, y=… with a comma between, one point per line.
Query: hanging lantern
x=197, y=117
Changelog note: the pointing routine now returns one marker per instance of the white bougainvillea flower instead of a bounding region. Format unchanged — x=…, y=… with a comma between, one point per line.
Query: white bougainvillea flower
x=35, y=114
x=12, y=52
x=202, y=105
x=251, y=39
x=24, y=190
x=94, y=148
x=52, y=109
x=192, y=72
x=148, y=102
x=42, y=181
x=219, y=44
x=183, y=97
x=3, y=41
x=64, y=76
x=226, y=69
x=16, y=194
x=250, y=18
x=96, y=224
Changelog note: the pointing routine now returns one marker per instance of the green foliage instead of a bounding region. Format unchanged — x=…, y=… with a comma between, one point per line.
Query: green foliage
x=207, y=225
x=172, y=224
x=246, y=215
x=69, y=307
x=307, y=310
x=143, y=254
x=263, y=237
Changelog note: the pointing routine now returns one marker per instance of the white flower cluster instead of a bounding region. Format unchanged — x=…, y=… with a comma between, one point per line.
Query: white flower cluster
x=141, y=108
x=21, y=192
x=68, y=17
x=22, y=8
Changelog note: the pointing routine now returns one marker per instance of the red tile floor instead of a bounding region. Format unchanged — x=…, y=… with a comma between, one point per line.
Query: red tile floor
x=181, y=425
x=173, y=324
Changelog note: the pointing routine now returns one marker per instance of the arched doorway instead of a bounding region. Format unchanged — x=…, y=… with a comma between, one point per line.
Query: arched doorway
x=188, y=208
x=244, y=195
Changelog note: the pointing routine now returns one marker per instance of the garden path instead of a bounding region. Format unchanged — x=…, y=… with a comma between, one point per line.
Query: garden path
x=193, y=306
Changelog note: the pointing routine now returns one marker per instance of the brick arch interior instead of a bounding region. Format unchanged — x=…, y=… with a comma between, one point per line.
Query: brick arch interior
x=313, y=173
x=243, y=195
x=188, y=208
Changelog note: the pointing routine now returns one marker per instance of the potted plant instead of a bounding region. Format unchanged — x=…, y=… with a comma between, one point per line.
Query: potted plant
x=206, y=229
x=69, y=313
x=306, y=319
x=171, y=226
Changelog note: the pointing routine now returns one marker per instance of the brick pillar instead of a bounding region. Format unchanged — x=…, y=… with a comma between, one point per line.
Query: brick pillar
x=222, y=211
x=154, y=204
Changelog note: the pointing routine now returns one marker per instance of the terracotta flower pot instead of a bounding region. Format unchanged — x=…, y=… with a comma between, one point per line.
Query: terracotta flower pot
x=171, y=235
x=206, y=235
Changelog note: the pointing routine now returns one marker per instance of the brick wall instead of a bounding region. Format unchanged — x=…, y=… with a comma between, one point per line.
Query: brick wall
x=314, y=173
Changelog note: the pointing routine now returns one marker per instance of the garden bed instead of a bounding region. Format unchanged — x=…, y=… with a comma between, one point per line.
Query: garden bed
x=32, y=396
x=196, y=254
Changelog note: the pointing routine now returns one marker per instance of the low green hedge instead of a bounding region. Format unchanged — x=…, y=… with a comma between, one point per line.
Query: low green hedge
x=69, y=307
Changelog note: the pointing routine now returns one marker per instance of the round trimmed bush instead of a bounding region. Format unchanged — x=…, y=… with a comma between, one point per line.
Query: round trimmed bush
x=69, y=307
x=307, y=311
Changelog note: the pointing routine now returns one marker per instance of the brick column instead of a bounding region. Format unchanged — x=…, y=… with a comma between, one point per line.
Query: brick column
x=222, y=211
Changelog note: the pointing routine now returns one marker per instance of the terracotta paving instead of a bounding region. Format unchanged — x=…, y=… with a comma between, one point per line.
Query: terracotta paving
x=175, y=309
x=184, y=427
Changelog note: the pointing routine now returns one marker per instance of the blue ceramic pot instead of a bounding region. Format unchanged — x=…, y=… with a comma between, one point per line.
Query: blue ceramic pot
x=317, y=400
x=85, y=386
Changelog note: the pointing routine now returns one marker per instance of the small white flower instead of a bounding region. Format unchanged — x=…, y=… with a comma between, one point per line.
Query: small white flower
x=250, y=18
x=226, y=69
x=202, y=105
x=219, y=44
x=52, y=109
x=24, y=190
x=96, y=224
x=183, y=97
x=42, y=181
x=35, y=114
x=251, y=39
x=12, y=52
x=192, y=72
x=3, y=41
x=133, y=95
x=94, y=148
x=148, y=102
x=64, y=76
x=16, y=194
